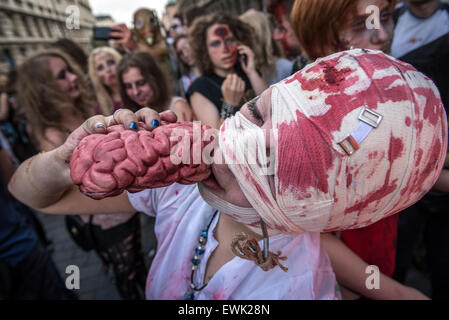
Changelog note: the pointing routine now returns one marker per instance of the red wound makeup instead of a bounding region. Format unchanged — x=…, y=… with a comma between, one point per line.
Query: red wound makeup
x=221, y=32
x=223, y=45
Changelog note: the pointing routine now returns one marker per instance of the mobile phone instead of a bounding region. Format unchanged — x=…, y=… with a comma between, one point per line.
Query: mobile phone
x=102, y=33
x=244, y=58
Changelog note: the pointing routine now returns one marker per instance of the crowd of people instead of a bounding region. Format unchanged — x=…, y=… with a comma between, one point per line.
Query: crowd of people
x=346, y=193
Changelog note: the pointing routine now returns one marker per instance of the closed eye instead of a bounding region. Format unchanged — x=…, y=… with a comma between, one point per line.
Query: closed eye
x=254, y=111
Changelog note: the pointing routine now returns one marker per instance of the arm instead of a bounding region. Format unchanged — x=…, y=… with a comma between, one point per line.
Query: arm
x=257, y=82
x=205, y=110
x=6, y=167
x=43, y=182
x=350, y=271
x=124, y=36
x=183, y=110
x=4, y=106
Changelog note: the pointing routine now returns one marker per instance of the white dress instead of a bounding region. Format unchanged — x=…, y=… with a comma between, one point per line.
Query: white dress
x=181, y=216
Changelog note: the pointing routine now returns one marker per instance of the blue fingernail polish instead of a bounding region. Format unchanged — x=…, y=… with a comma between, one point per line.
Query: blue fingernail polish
x=133, y=125
x=155, y=123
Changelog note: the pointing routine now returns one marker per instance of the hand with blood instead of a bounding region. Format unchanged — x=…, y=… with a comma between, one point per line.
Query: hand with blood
x=105, y=165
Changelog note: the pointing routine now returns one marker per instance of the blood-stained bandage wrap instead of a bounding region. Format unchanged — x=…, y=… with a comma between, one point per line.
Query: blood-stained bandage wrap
x=318, y=186
x=105, y=165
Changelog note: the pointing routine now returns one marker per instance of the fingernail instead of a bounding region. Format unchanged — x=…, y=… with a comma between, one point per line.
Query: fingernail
x=100, y=126
x=155, y=123
x=133, y=125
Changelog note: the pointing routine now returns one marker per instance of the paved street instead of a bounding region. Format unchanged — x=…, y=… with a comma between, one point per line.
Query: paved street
x=95, y=284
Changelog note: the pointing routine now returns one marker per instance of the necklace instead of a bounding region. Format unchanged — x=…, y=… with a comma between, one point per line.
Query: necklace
x=199, y=251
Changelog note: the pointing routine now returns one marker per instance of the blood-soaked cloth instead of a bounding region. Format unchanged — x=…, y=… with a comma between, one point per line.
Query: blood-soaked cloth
x=320, y=185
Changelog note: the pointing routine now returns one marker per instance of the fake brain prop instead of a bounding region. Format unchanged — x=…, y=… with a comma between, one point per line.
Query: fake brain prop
x=104, y=165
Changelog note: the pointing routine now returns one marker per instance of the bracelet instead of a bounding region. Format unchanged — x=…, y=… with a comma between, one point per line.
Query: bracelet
x=27, y=173
x=227, y=110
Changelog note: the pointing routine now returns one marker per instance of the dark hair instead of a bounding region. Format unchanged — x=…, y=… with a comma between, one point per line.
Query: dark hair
x=74, y=50
x=11, y=85
x=151, y=73
x=198, y=36
x=183, y=68
x=272, y=6
x=192, y=14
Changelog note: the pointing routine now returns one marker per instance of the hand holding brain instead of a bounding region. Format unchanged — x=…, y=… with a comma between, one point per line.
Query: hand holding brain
x=105, y=165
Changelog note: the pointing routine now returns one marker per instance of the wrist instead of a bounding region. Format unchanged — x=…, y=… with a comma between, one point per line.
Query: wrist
x=251, y=73
x=230, y=103
x=228, y=110
x=60, y=167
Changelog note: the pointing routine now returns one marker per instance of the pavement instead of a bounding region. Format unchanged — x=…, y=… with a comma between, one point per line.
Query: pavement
x=95, y=284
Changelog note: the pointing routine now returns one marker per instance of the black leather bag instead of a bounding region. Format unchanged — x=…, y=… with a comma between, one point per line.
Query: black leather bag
x=80, y=232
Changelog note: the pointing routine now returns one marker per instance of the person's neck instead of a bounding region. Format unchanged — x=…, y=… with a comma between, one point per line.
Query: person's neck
x=425, y=11
x=115, y=93
x=231, y=227
x=196, y=71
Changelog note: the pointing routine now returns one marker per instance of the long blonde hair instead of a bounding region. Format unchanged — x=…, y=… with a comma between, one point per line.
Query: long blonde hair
x=42, y=99
x=266, y=49
x=102, y=93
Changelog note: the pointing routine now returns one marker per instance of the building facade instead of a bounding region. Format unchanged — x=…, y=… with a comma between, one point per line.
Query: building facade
x=234, y=6
x=30, y=25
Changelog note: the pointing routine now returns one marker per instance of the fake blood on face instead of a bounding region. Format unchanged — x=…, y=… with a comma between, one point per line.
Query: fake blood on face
x=226, y=48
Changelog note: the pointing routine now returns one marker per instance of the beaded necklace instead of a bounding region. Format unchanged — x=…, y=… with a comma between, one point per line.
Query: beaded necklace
x=201, y=248
x=199, y=251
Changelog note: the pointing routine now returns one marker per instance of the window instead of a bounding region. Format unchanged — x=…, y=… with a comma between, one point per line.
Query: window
x=38, y=27
x=2, y=25
x=26, y=26
x=15, y=31
x=47, y=27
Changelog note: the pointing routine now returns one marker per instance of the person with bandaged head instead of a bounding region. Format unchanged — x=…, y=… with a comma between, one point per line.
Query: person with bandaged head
x=341, y=144
x=343, y=25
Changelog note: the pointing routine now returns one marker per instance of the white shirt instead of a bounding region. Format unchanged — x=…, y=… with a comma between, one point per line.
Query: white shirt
x=181, y=216
x=412, y=33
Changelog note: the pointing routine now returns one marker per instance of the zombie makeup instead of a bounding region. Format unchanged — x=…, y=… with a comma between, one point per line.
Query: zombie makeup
x=356, y=34
x=146, y=26
x=222, y=46
x=280, y=31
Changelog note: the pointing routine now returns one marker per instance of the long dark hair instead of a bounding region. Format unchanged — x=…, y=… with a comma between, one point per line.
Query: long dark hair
x=242, y=31
x=42, y=99
x=151, y=73
x=183, y=68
